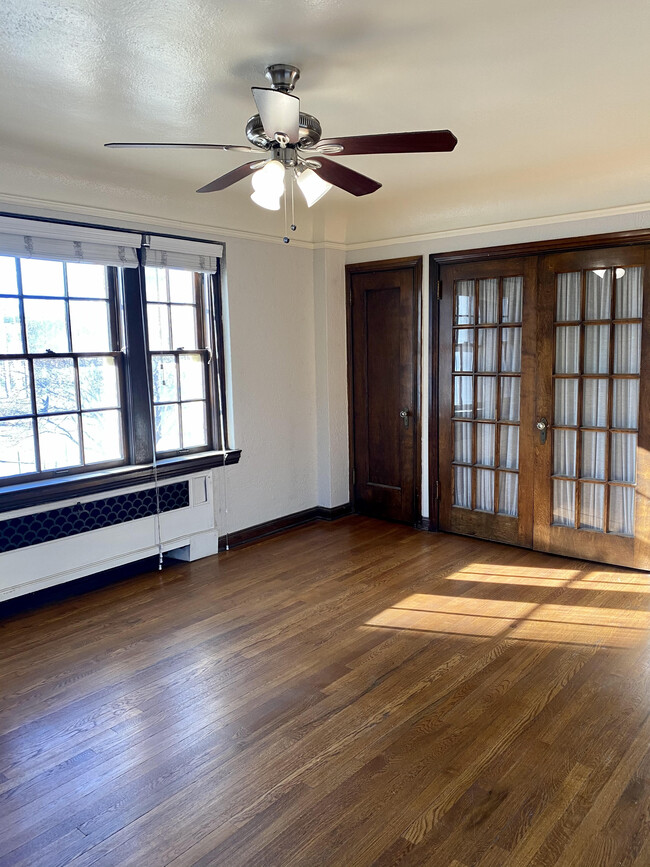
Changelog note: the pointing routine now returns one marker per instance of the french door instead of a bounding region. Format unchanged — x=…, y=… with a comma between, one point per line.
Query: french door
x=544, y=415
x=486, y=348
x=592, y=475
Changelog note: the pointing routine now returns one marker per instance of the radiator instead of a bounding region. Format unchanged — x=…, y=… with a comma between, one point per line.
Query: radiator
x=67, y=540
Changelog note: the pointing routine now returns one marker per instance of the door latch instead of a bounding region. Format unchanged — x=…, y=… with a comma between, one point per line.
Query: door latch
x=542, y=426
x=404, y=415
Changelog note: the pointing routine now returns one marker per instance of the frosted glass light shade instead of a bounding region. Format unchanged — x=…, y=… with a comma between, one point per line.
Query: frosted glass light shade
x=312, y=186
x=268, y=185
x=270, y=178
x=265, y=200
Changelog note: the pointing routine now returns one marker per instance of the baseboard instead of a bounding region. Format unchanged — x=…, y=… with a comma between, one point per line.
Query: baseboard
x=280, y=525
x=333, y=514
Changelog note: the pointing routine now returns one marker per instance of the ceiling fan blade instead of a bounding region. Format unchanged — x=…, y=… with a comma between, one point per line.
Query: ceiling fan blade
x=345, y=178
x=431, y=141
x=279, y=112
x=229, y=178
x=163, y=144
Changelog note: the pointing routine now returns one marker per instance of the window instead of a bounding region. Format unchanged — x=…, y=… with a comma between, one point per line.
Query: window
x=179, y=352
x=60, y=389
x=109, y=361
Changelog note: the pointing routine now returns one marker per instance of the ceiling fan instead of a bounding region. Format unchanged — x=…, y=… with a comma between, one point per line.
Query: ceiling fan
x=292, y=140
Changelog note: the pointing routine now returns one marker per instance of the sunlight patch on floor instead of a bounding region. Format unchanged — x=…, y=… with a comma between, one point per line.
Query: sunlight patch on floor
x=582, y=624
x=597, y=580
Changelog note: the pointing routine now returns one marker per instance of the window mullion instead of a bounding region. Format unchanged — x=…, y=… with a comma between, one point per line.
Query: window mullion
x=137, y=367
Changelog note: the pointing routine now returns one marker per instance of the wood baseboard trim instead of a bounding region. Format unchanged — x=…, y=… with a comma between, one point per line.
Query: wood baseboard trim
x=280, y=525
x=333, y=514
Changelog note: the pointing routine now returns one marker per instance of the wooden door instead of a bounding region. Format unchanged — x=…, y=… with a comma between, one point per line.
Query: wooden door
x=592, y=477
x=384, y=335
x=486, y=399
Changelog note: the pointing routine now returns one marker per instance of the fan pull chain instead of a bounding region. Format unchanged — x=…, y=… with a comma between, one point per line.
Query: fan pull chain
x=286, y=238
x=293, y=227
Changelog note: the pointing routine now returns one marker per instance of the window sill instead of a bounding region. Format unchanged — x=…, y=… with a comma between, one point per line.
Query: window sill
x=20, y=496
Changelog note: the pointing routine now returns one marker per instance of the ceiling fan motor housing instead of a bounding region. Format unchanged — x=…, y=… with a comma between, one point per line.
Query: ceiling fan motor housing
x=310, y=132
x=283, y=76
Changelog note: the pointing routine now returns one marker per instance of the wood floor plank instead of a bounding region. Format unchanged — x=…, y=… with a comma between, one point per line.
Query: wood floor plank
x=355, y=693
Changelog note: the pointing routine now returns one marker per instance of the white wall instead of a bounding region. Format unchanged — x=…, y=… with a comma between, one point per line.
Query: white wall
x=331, y=377
x=270, y=297
x=529, y=230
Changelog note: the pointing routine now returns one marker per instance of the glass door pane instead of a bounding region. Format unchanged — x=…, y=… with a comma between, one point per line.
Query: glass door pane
x=482, y=317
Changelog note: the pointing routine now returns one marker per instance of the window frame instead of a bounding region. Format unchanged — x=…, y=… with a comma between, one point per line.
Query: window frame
x=127, y=317
x=204, y=292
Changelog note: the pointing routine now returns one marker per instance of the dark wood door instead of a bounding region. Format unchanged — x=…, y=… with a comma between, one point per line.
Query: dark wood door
x=486, y=399
x=592, y=484
x=384, y=336
x=544, y=398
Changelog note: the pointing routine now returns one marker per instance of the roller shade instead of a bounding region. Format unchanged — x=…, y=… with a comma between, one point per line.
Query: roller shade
x=33, y=239
x=184, y=255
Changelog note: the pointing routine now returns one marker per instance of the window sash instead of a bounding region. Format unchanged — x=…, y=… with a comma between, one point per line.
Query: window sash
x=206, y=336
x=76, y=414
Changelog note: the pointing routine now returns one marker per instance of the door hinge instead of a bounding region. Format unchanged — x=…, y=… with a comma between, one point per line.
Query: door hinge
x=354, y=476
x=439, y=289
x=437, y=490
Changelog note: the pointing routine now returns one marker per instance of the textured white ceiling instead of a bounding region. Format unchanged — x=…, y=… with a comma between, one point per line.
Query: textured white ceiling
x=548, y=101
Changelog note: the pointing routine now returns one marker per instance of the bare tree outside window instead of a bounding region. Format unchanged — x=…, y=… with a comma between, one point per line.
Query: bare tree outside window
x=59, y=372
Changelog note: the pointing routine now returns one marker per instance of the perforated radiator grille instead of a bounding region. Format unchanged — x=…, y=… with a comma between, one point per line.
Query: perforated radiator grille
x=84, y=517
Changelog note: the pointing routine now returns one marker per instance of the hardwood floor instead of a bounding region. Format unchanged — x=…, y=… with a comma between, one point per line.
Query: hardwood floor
x=349, y=694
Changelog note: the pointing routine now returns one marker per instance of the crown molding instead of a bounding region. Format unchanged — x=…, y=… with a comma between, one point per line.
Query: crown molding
x=533, y=222
x=129, y=220
x=38, y=207
x=330, y=245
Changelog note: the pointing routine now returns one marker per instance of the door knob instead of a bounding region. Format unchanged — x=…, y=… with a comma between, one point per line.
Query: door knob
x=404, y=415
x=542, y=426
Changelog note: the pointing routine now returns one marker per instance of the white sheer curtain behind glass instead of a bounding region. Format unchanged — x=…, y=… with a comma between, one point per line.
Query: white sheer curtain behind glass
x=487, y=350
x=596, y=399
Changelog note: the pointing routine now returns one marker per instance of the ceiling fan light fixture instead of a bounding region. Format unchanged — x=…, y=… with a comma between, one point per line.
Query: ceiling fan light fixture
x=312, y=186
